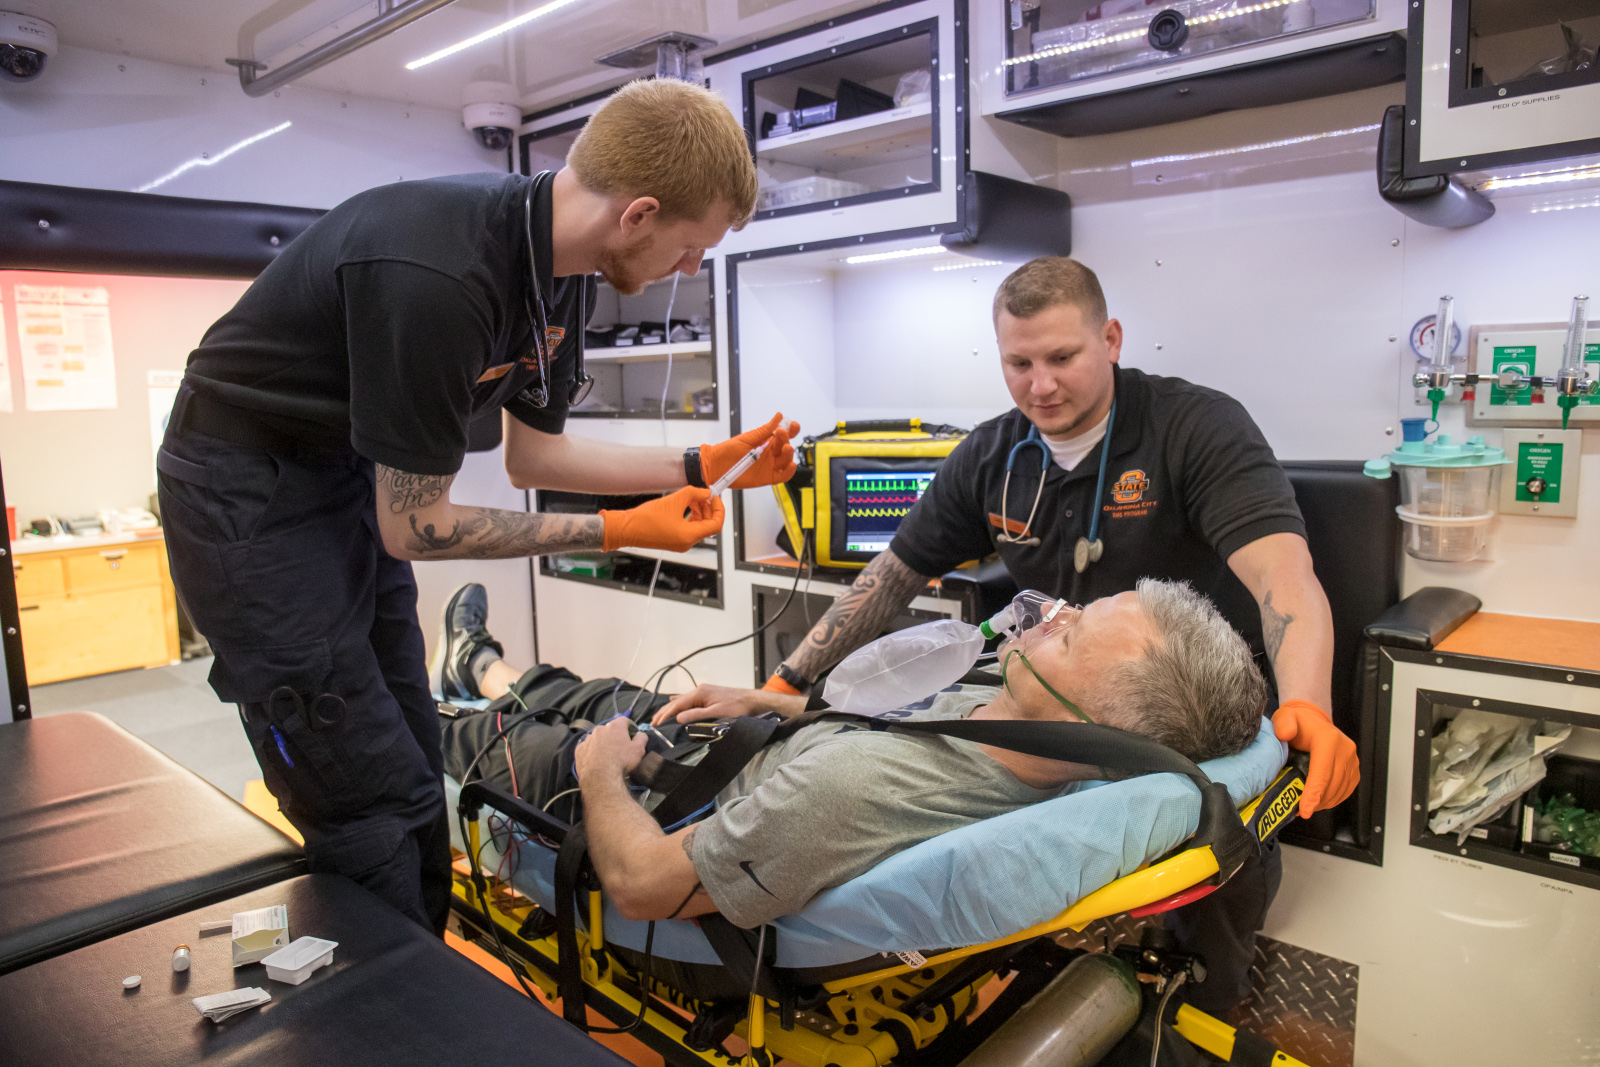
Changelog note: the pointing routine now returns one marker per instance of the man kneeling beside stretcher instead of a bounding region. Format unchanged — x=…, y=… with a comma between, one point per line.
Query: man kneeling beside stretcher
x=836, y=799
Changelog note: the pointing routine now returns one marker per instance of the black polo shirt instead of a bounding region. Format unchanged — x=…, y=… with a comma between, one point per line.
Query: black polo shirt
x=1189, y=481
x=396, y=318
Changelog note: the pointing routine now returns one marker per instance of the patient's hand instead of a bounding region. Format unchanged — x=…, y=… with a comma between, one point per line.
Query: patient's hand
x=724, y=701
x=608, y=750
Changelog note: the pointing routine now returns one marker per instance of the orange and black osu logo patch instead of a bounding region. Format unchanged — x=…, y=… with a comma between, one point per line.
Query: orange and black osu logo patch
x=1130, y=487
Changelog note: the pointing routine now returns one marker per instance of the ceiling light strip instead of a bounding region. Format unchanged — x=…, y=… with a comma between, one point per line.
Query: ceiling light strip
x=1129, y=35
x=904, y=253
x=504, y=27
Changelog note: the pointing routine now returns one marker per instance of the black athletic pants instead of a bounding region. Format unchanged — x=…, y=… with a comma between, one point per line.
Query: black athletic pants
x=552, y=710
x=276, y=554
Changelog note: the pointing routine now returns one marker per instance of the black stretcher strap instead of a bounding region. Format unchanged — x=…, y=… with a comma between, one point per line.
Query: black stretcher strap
x=570, y=862
x=1082, y=742
x=722, y=763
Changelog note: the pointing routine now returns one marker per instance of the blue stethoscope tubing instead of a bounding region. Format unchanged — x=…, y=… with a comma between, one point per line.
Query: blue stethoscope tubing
x=1026, y=536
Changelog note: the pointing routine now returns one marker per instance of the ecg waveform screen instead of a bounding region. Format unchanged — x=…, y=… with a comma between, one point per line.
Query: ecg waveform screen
x=875, y=502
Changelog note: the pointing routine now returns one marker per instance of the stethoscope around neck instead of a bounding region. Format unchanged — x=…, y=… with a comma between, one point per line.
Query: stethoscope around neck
x=539, y=318
x=1088, y=549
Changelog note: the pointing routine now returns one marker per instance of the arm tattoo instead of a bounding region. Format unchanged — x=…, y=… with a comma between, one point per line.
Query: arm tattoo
x=688, y=846
x=477, y=533
x=408, y=492
x=1274, y=624
x=878, y=595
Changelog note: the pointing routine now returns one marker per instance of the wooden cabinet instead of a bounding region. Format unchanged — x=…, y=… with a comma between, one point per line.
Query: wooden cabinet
x=95, y=608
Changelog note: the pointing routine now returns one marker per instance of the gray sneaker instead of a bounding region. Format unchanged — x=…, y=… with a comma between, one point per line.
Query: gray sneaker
x=463, y=633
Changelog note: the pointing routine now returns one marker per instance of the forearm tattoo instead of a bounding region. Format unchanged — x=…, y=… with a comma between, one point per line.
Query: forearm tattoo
x=878, y=595
x=1274, y=624
x=477, y=533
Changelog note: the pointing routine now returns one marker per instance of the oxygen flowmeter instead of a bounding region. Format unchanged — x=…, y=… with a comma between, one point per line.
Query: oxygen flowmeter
x=1514, y=369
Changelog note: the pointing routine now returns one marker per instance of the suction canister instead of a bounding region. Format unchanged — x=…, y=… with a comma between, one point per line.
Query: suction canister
x=1448, y=495
x=1072, y=1022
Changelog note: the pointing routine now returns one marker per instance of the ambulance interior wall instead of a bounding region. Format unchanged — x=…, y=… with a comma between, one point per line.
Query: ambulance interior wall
x=105, y=121
x=1247, y=251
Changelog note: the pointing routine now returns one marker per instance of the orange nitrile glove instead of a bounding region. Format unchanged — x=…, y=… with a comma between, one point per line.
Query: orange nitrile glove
x=1335, y=769
x=775, y=465
x=778, y=685
x=675, y=522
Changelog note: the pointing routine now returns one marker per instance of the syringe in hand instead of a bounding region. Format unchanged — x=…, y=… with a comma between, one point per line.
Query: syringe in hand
x=746, y=461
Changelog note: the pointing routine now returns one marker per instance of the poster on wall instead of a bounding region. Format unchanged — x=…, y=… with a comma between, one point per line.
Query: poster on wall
x=163, y=393
x=5, y=367
x=65, y=335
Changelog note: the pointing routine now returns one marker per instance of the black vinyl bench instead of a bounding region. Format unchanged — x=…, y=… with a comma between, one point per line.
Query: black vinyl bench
x=394, y=995
x=100, y=834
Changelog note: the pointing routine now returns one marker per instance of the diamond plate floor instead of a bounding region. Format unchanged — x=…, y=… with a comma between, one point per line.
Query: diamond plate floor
x=1301, y=1001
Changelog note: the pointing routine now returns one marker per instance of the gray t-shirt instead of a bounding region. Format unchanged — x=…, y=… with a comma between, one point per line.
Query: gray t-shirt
x=835, y=800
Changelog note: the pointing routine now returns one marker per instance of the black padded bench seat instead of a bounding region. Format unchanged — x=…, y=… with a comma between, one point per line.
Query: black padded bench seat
x=394, y=995
x=100, y=833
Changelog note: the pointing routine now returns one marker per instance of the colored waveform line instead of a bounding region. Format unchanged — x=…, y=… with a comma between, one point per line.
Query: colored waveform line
x=864, y=498
x=877, y=485
x=863, y=513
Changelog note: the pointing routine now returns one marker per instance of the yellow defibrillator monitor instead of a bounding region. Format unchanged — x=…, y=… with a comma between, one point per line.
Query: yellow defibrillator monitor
x=855, y=483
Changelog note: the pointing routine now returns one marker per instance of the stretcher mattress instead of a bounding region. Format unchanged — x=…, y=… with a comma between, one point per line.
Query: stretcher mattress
x=100, y=833
x=394, y=996
x=970, y=886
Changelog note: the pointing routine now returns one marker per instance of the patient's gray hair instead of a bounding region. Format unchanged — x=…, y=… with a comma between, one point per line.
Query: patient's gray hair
x=1198, y=690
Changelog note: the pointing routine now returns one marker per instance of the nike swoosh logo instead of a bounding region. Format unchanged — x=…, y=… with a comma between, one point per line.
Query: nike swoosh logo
x=744, y=865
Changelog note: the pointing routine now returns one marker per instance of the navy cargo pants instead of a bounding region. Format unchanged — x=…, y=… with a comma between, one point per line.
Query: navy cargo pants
x=276, y=554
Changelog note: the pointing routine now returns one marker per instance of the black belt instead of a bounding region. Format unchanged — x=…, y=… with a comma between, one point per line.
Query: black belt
x=240, y=426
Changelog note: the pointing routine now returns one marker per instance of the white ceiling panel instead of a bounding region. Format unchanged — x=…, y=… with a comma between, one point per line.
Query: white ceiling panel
x=549, y=59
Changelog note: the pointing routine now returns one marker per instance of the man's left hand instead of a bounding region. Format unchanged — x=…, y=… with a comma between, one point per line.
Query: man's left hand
x=775, y=465
x=1335, y=768
x=608, y=751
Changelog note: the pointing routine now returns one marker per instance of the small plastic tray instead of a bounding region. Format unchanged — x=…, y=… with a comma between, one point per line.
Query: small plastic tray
x=294, y=963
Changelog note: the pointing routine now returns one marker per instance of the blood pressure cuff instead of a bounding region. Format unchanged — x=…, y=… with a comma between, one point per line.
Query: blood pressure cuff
x=100, y=833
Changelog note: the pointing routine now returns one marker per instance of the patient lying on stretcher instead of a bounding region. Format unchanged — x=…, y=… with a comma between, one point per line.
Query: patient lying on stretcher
x=834, y=800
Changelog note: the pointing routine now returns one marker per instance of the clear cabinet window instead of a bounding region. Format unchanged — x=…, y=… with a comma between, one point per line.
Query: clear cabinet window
x=1514, y=47
x=844, y=124
x=1057, y=42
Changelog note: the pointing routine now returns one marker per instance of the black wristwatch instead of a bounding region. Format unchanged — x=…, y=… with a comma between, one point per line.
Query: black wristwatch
x=792, y=677
x=693, y=473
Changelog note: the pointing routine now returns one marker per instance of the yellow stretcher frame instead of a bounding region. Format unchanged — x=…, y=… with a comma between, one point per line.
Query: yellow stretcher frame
x=862, y=999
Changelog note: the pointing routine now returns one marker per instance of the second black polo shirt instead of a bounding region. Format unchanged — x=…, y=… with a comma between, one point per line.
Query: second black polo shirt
x=1189, y=481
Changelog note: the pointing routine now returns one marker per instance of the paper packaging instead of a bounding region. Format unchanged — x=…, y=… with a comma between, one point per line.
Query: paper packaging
x=294, y=964
x=219, y=1006
x=257, y=934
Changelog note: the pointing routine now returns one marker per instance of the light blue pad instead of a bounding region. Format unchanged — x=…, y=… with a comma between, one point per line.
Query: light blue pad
x=970, y=886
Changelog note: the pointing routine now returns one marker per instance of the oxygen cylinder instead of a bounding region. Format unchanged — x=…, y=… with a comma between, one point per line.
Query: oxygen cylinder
x=1072, y=1022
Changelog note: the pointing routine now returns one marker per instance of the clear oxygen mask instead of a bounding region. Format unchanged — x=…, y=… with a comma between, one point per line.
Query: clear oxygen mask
x=1028, y=609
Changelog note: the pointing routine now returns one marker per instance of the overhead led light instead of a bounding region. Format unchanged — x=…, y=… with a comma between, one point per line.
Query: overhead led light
x=210, y=160
x=504, y=27
x=904, y=253
x=969, y=263
x=1580, y=206
x=1574, y=174
x=1129, y=35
